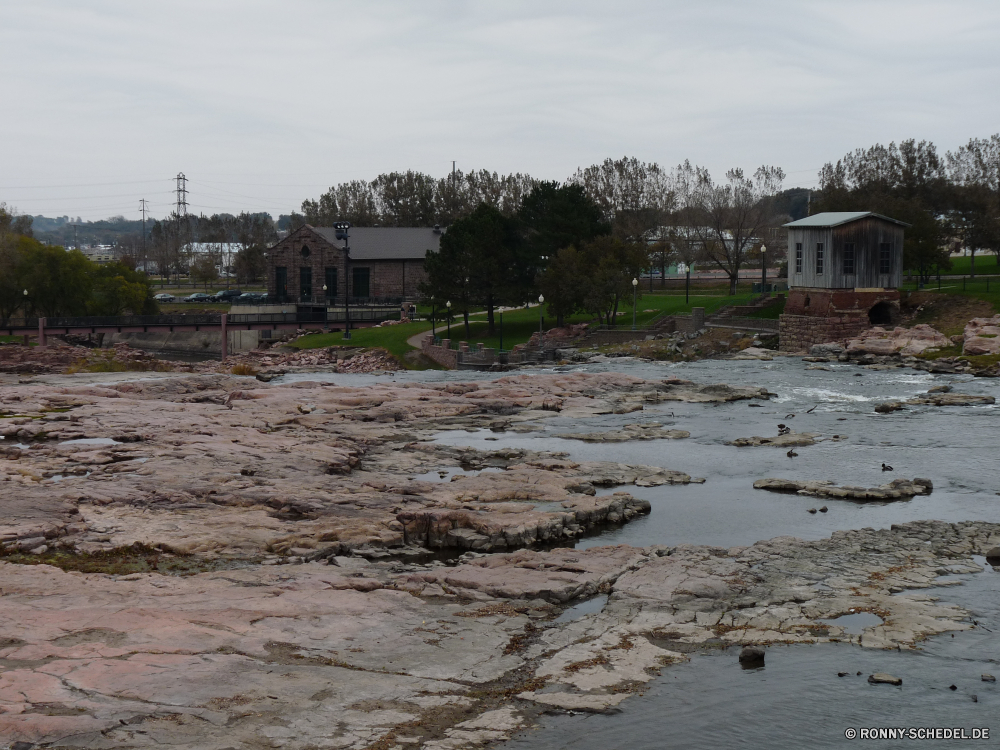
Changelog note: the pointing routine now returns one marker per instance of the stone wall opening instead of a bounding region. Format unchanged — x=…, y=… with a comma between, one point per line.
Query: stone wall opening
x=880, y=314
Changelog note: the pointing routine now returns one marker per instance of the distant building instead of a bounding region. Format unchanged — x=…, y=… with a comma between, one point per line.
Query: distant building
x=844, y=270
x=385, y=264
x=100, y=253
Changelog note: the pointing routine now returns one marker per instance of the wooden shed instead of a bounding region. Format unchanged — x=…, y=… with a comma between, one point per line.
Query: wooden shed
x=845, y=250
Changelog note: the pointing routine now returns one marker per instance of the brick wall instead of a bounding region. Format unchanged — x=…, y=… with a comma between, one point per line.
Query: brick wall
x=818, y=316
x=387, y=278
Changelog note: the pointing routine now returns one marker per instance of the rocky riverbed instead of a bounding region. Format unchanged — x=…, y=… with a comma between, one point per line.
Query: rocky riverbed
x=211, y=561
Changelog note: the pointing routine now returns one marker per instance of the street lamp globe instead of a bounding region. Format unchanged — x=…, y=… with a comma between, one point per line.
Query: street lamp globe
x=541, y=299
x=635, y=282
x=448, y=304
x=25, y=292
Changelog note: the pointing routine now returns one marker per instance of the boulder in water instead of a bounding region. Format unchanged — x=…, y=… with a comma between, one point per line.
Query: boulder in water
x=752, y=656
x=883, y=678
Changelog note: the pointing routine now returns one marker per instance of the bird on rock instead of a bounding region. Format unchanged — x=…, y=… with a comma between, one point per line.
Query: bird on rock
x=791, y=453
x=886, y=467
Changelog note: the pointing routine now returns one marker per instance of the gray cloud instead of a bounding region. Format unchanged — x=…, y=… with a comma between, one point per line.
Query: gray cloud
x=263, y=104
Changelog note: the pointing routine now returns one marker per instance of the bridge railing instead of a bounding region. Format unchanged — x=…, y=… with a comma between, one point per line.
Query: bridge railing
x=317, y=314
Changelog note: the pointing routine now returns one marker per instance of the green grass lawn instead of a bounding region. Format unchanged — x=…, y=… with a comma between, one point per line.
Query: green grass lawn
x=978, y=288
x=14, y=340
x=391, y=338
x=985, y=263
x=520, y=324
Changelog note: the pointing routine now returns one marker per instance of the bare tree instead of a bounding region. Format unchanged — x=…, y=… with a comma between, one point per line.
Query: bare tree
x=634, y=197
x=727, y=218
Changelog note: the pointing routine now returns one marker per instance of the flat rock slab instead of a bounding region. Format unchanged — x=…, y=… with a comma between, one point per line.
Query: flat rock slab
x=788, y=440
x=218, y=465
x=898, y=489
x=881, y=678
x=360, y=654
x=639, y=431
x=936, y=398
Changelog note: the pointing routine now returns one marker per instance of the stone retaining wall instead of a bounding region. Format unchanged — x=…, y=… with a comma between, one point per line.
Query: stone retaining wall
x=442, y=354
x=799, y=332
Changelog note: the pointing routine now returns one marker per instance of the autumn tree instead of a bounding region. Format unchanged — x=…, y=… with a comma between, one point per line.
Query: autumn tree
x=974, y=186
x=608, y=264
x=726, y=218
x=908, y=182
x=634, y=197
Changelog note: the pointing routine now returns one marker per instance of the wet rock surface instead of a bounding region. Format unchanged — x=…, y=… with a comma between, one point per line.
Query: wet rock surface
x=638, y=431
x=359, y=652
x=940, y=396
x=221, y=465
x=783, y=440
x=898, y=489
x=310, y=606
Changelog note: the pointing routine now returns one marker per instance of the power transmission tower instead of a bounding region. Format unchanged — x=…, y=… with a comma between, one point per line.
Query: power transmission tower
x=142, y=207
x=181, y=194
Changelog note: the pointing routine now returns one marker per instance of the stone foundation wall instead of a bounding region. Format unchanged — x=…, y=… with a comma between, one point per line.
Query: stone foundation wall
x=799, y=332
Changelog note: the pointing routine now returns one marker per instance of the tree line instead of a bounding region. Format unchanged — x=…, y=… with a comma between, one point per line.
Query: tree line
x=47, y=280
x=235, y=244
x=580, y=244
x=952, y=202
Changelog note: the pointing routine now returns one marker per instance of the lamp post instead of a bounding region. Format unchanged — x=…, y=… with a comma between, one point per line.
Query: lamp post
x=635, y=287
x=448, y=315
x=501, y=329
x=343, y=233
x=541, y=320
x=687, y=282
x=763, y=269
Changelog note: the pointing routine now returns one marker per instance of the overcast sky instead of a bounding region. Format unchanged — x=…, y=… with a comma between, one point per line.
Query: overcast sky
x=265, y=103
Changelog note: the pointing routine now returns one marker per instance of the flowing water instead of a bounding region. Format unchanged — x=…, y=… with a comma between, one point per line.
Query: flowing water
x=797, y=700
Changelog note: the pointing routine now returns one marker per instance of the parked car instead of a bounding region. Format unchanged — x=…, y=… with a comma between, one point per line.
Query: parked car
x=249, y=298
x=198, y=297
x=164, y=297
x=226, y=295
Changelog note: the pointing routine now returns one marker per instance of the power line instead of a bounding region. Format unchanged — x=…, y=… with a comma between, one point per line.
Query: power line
x=77, y=184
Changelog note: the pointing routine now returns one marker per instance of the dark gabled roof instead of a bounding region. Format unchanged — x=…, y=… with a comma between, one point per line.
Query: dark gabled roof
x=837, y=218
x=386, y=243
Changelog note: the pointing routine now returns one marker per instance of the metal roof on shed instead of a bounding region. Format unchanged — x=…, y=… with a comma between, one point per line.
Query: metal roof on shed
x=386, y=243
x=837, y=218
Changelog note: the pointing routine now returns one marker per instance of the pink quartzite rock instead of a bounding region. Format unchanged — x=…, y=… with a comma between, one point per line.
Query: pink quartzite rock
x=982, y=336
x=907, y=341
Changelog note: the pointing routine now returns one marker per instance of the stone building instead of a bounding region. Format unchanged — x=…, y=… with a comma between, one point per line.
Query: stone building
x=385, y=264
x=844, y=270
